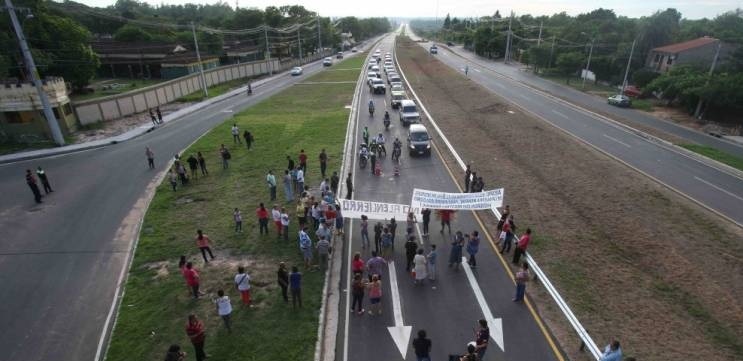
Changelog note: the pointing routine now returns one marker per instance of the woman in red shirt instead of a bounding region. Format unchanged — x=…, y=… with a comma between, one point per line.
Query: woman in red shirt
x=262, y=214
x=192, y=279
x=445, y=215
x=357, y=265
x=203, y=241
x=195, y=332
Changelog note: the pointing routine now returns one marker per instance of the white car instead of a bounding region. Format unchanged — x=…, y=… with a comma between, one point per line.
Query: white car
x=327, y=62
x=395, y=83
x=371, y=76
x=375, y=68
x=396, y=87
x=377, y=86
x=297, y=70
x=353, y=50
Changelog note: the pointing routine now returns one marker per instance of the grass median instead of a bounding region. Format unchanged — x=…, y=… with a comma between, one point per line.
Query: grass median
x=716, y=154
x=153, y=313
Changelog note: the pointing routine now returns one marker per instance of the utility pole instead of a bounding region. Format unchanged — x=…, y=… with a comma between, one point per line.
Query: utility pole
x=319, y=36
x=508, y=41
x=268, y=50
x=698, y=111
x=539, y=39
x=198, y=58
x=552, y=52
x=33, y=73
x=629, y=61
x=299, y=44
x=588, y=65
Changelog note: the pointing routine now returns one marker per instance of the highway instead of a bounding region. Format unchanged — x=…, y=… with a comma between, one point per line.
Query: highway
x=711, y=187
x=448, y=308
x=60, y=261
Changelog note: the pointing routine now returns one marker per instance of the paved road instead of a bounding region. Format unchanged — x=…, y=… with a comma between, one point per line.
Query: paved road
x=447, y=308
x=711, y=187
x=597, y=104
x=60, y=261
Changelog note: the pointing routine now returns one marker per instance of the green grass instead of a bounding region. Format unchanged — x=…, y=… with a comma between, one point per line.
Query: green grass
x=127, y=85
x=215, y=90
x=155, y=306
x=642, y=104
x=577, y=84
x=715, y=154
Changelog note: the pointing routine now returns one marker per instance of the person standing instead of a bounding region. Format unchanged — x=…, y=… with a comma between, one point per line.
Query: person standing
x=393, y=229
x=224, y=309
x=357, y=265
x=503, y=218
x=410, y=223
x=44, y=180
x=242, y=282
x=235, y=134
x=323, y=252
x=432, y=257
x=173, y=177
x=182, y=174
x=287, y=182
x=159, y=115
x=262, y=214
x=507, y=236
x=482, y=336
x=175, y=353
x=192, y=279
x=282, y=277
x=303, y=160
x=426, y=217
x=193, y=165
x=271, y=181
x=323, y=162
x=305, y=246
x=202, y=163
x=225, y=154
x=473, y=177
x=467, y=179
x=521, y=246
x=419, y=267
x=276, y=216
x=334, y=181
x=153, y=118
x=522, y=277
x=455, y=257
x=248, y=139
x=473, y=245
x=203, y=242
x=612, y=352
x=349, y=186
x=422, y=347
x=375, y=295
x=238, y=217
x=373, y=162
x=411, y=247
x=289, y=163
x=357, y=292
x=445, y=215
x=195, y=332
x=284, y=223
x=300, y=179
x=150, y=157
x=378, y=237
x=386, y=243
x=375, y=266
x=31, y=181
x=295, y=286
x=364, y=232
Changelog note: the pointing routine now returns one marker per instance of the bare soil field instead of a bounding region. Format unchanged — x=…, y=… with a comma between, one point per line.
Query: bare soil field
x=635, y=260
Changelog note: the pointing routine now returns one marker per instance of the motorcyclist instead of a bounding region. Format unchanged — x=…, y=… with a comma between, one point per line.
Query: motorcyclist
x=364, y=151
x=380, y=142
x=365, y=135
x=386, y=120
x=371, y=106
x=397, y=144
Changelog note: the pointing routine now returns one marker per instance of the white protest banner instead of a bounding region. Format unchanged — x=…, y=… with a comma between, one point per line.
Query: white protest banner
x=375, y=210
x=441, y=200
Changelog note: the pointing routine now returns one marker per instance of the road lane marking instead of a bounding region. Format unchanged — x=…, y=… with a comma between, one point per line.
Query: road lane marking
x=718, y=188
x=400, y=333
x=495, y=324
x=618, y=141
x=560, y=114
x=477, y=70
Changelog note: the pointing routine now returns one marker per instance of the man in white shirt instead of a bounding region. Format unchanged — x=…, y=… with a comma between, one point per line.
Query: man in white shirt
x=242, y=282
x=276, y=215
x=224, y=309
x=235, y=134
x=271, y=181
x=323, y=187
x=285, y=223
x=305, y=245
x=300, y=180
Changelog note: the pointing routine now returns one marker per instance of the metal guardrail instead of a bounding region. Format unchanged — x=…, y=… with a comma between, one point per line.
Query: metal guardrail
x=586, y=340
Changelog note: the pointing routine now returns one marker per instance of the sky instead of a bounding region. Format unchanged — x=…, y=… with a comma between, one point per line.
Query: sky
x=691, y=9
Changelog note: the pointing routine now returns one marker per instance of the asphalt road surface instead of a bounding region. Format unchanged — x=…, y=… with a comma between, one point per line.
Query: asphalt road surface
x=446, y=308
x=60, y=261
x=715, y=189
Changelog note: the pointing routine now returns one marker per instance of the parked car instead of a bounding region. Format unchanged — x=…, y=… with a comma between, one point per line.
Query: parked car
x=297, y=70
x=434, y=49
x=377, y=86
x=419, y=142
x=339, y=55
x=632, y=91
x=619, y=100
x=327, y=61
x=353, y=50
x=409, y=112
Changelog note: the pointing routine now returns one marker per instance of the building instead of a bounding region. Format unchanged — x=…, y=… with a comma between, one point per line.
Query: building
x=21, y=114
x=148, y=60
x=180, y=64
x=700, y=51
x=240, y=52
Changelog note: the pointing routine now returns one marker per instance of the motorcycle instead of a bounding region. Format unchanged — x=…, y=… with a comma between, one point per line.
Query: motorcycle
x=396, y=152
x=386, y=121
x=371, y=110
x=363, y=158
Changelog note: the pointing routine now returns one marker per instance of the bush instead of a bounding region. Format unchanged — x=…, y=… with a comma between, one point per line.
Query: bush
x=643, y=77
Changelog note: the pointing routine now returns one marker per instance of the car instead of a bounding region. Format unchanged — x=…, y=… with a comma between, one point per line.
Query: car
x=327, y=61
x=619, y=100
x=409, y=112
x=397, y=87
x=389, y=68
x=419, y=142
x=297, y=70
x=449, y=43
x=388, y=62
x=393, y=79
x=370, y=65
x=375, y=68
x=397, y=95
x=353, y=50
x=434, y=49
x=371, y=76
x=339, y=55
x=394, y=84
x=377, y=86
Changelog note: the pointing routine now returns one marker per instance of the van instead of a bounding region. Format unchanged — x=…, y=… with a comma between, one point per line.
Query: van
x=409, y=112
x=419, y=142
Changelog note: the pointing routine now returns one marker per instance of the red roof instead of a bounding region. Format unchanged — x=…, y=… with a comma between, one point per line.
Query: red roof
x=691, y=44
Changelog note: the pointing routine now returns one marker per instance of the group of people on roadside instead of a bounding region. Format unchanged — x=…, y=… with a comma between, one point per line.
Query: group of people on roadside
x=33, y=184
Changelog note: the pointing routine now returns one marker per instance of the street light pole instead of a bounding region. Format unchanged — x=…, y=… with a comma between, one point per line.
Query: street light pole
x=198, y=58
x=508, y=41
x=588, y=65
x=268, y=50
x=33, y=73
x=626, y=71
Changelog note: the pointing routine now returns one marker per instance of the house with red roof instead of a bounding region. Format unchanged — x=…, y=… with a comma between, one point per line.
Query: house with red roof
x=700, y=51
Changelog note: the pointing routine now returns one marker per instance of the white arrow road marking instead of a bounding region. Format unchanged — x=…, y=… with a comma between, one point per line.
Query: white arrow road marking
x=400, y=333
x=495, y=324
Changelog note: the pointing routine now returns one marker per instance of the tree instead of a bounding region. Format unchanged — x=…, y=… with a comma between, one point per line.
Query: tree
x=132, y=33
x=447, y=22
x=680, y=84
x=539, y=56
x=568, y=63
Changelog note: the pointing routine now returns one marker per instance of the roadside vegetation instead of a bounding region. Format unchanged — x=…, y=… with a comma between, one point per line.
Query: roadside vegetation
x=107, y=87
x=214, y=90
x=153, y=312
x=716, y=154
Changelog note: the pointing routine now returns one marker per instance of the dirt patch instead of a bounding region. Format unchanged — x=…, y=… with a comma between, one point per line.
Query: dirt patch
x=633, y=259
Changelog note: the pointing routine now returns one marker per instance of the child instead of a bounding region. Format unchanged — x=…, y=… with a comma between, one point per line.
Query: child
x=224, y=308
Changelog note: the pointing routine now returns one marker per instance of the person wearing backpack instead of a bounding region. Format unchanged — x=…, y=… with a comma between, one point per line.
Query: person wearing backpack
x=242, y=282
x=225, y=154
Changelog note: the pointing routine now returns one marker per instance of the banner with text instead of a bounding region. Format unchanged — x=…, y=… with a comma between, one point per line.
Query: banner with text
x=440, y=200
x=376, y=210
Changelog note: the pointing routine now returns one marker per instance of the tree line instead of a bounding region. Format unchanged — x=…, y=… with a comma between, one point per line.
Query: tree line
x=559, y=44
